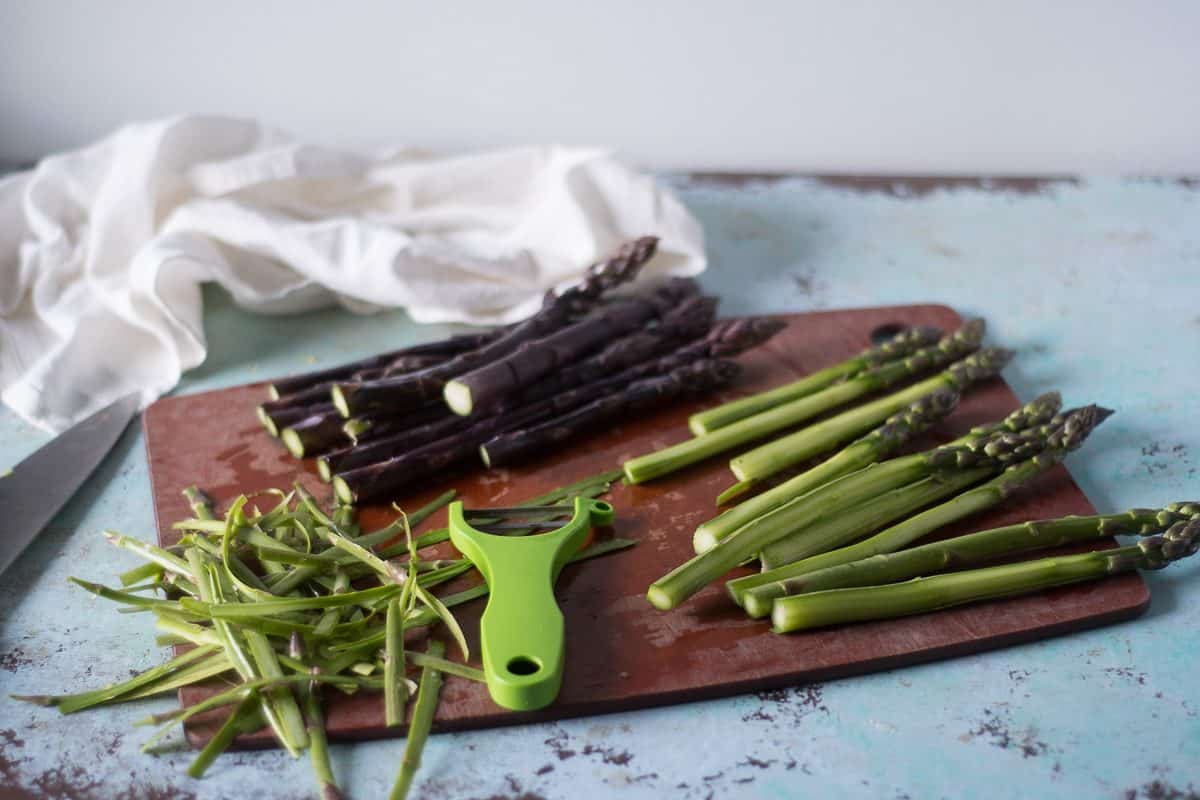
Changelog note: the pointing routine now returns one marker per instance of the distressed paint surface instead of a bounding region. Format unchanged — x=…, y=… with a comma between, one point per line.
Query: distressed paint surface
x=1097, y=284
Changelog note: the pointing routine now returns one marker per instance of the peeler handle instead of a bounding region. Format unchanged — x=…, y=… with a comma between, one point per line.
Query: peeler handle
x=522, y=631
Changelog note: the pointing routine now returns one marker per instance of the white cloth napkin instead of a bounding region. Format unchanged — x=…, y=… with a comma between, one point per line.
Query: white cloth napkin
x=103, y=250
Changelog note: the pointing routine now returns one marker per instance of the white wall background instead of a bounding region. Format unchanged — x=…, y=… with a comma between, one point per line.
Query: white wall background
x=1017, y=86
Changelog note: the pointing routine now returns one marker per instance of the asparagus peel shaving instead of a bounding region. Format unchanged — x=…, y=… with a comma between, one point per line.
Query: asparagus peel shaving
x=902, y=344
x=959, y=551
x=924, y=594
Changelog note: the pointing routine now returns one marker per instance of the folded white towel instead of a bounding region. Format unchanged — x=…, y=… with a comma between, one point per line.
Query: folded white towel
x=103, y=250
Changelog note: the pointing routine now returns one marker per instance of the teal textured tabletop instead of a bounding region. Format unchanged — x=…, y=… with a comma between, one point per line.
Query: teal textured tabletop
x=1095, y=283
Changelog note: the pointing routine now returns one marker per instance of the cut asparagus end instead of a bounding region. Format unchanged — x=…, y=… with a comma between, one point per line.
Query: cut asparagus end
x=737, y=490
x=342, y=490
x=291, y=440
x=703, y=540
x=324, y=470
x=267, y=422
x=659, y=598
x=273, y=391
x=758, y=604
x=696, y=425
x=355, y=427
x=458, y=396
x=340, y=401
x=483, y=455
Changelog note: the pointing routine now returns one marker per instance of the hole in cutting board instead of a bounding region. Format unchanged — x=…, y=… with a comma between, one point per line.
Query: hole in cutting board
x=881, y=333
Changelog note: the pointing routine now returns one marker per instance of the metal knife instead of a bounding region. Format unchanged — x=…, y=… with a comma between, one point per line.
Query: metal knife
x=41, y=485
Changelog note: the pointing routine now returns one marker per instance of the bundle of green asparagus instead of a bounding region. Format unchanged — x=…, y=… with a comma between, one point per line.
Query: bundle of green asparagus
x=280, y=608
x=585, y=358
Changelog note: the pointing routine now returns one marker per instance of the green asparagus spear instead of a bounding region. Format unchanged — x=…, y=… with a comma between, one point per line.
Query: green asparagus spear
x=777, y=455
x=902, y=344
x=1055, y=439
x=960, y=551
x=921, y=595
x=967, y=462
x=744, y=431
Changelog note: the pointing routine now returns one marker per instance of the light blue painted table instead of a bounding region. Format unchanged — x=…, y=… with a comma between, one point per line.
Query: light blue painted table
x=1096, y=284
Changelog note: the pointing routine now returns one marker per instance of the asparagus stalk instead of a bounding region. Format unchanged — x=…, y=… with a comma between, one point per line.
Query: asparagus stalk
x=956, y=464
x=690, y=320
x=418, y=729
x=702, y=376
x=922, y=595
x=410, y=391
x=481, y=388
x=444, y=348
x=1019, y=449
x=965, y=340
x=898, y=429
x=960, y=551
x=902, y=344
x=794, y=448
x=314, y=434
x=377, y=450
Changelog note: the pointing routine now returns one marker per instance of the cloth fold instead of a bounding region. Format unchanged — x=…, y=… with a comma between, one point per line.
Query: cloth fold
x=103, y=250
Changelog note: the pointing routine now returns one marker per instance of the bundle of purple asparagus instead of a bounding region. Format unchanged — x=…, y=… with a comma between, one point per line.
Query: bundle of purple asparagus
x=378, y=424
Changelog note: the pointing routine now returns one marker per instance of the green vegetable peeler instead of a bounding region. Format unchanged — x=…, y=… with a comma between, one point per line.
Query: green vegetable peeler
x=521, y=633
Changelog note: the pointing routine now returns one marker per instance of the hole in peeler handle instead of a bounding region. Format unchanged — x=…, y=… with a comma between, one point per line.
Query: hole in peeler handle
x=522, y=665
x=881, y=333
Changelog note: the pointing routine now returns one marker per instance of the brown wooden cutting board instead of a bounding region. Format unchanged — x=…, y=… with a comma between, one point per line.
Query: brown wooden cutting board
x=621, y=653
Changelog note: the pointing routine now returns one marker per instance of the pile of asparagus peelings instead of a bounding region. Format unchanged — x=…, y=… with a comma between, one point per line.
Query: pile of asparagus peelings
x=378, y=424
x=833, y=541
x=279, y=611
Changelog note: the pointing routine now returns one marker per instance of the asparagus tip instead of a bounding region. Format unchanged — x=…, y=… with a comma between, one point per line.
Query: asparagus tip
x=458, y=396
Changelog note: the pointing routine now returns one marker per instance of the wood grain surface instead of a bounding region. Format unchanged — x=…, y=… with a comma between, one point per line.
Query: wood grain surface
x=621, y=653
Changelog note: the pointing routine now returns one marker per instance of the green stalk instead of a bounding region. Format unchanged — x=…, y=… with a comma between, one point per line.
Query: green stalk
x=318, y=745
x=901, y=534
x=245, y=718
x=1063, y=434
x=211, y=667
x=921, y=595
x=70, y=703
x=898, y=429
x=143, y=572
x=879, y=566
x=125, y=598
x=746, y=542
x=281, y=697
x=149, y=552
x=287, y=605
x=749, y=429
x=395, y=693
x=779, y=454
x=210, y=593
x=200, y=503
x=838, y=529
x=418, y=729
x=902, y=344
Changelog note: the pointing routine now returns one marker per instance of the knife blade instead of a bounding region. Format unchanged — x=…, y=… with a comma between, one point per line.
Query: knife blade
x=41, y=485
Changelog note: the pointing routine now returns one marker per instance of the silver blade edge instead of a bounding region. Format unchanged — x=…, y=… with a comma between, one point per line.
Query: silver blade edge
x=41, y=485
